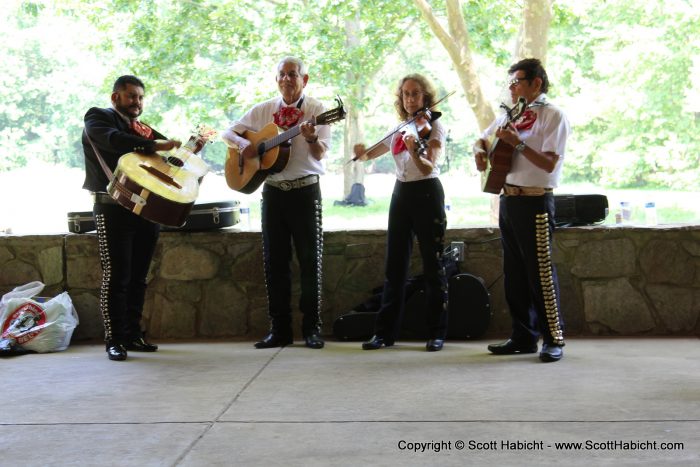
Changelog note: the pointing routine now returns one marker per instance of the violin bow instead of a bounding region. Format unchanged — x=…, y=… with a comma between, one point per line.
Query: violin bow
x=398, y=128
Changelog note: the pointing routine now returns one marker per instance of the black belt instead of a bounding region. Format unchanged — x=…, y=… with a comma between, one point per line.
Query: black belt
x=103, y=198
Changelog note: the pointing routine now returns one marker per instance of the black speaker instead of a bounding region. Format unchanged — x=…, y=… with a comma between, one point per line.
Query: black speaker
x=580, y=209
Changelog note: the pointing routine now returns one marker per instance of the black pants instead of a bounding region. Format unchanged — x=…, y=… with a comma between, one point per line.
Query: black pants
x=292, y=216
x=417, y=209
x=126, y=243
x=531, y=284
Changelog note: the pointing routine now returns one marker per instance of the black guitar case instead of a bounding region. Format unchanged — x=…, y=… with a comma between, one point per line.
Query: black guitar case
x=81, y=221
x=205, y=216
x=469, y=310
x=209, y=216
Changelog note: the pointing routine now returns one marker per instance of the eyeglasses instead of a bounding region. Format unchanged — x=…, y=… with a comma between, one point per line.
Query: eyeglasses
x=516, y=81
x=412, y=95
x=292, y=75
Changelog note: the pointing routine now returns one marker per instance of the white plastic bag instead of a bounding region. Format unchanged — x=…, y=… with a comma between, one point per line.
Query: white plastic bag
x=31, y=326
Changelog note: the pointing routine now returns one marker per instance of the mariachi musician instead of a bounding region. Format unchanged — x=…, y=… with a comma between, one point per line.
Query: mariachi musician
x=417, y=209
x=526, y=214
x=291, y=204
x=126, y=240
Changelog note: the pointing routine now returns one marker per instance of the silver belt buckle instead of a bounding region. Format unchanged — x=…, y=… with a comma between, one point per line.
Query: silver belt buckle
x=286, y=186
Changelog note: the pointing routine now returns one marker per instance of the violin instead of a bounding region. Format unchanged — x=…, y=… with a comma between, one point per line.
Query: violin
x=419, y=127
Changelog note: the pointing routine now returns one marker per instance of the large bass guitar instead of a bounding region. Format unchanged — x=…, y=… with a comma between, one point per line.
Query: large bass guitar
x=270, y=152
x=162, y=187
x=500, y=153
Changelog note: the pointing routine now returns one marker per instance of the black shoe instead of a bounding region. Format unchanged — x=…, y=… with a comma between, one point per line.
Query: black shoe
x=116, y=352
x=140, y=345
x=314, y=341
x=510, y=347
x=274, y=340
x=434, y=345
x=551, y=353
x=377, y=342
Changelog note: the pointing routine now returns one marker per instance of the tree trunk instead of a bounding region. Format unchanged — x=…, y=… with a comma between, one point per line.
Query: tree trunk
x=353, y=172
x=456, y=42
x=534, y=31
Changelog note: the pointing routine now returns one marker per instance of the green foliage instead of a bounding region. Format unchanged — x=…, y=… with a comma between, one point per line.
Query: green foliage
x=623, y=70
x=39, y=90
x=634, y=62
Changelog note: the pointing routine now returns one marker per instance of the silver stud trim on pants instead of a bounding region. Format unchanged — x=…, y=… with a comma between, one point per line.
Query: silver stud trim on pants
x=106, y=265
x=544, y=260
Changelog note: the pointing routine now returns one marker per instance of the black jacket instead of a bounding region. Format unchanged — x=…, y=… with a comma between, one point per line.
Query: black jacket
x=113, y=138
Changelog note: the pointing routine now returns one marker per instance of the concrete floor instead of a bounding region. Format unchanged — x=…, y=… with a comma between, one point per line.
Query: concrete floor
x=223, y=403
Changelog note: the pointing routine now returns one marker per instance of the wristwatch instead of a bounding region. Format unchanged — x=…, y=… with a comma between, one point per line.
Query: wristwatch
x=520, y=147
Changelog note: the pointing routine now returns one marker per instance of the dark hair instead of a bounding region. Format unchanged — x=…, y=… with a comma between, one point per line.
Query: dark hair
x=122, y=81
x=533, y=69
x=426, y=87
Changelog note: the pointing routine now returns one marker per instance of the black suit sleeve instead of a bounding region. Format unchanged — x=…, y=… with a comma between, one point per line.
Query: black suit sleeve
x=108, y=134
x=112, y=137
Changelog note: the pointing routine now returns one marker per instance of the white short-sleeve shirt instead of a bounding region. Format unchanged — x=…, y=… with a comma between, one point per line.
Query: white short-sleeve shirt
x=548, y=134
x=406, y=169
x=301, y=162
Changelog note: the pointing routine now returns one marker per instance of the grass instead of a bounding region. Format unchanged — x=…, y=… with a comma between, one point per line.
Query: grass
x=38, y=197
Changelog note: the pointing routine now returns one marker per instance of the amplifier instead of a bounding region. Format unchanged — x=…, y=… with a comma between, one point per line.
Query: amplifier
x=580, y=209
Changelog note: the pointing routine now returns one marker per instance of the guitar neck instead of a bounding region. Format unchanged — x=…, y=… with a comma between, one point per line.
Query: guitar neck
x=285, y=136
x=282, y=137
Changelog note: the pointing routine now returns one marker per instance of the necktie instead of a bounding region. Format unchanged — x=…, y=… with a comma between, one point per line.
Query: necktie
x=142, y=130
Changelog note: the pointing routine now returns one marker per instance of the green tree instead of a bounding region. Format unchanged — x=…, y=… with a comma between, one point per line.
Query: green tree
x=42, y=98
x=629, y=66
x=207, y=60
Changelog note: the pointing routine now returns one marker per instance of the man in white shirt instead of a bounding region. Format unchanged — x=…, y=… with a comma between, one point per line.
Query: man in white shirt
x=526, y=216
x=291, y=204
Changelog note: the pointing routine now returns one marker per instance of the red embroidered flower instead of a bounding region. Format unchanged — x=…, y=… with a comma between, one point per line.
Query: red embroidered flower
x=287, y=117
x=398, y=145
x=526, y=120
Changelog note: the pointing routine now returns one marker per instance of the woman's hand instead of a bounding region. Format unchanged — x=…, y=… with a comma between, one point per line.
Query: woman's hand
x=411, y=144
x=360, y=152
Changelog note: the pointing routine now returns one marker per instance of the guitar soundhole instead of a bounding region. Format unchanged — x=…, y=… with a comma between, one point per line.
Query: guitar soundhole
x=174, y=161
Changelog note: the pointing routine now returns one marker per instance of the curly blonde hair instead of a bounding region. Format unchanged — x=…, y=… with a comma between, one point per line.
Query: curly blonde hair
x=426, y=87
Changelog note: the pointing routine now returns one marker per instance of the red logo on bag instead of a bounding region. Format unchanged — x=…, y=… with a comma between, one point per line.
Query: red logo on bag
x=18, y=326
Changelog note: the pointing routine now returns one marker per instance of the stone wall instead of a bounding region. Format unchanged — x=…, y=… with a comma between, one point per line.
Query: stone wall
x=614, y=281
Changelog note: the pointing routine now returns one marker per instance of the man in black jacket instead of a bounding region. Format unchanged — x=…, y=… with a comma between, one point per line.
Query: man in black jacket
x=126, y=241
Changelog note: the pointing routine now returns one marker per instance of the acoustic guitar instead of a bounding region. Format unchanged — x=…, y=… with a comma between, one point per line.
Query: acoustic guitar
x=270, y=152
x=162, y=187
x=500, y=153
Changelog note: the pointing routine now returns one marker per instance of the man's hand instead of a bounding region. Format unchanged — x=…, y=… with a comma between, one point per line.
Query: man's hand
x=248, y=151
x=308, y=131
x=166, y=145
x=480, y=155
x=508, y=134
